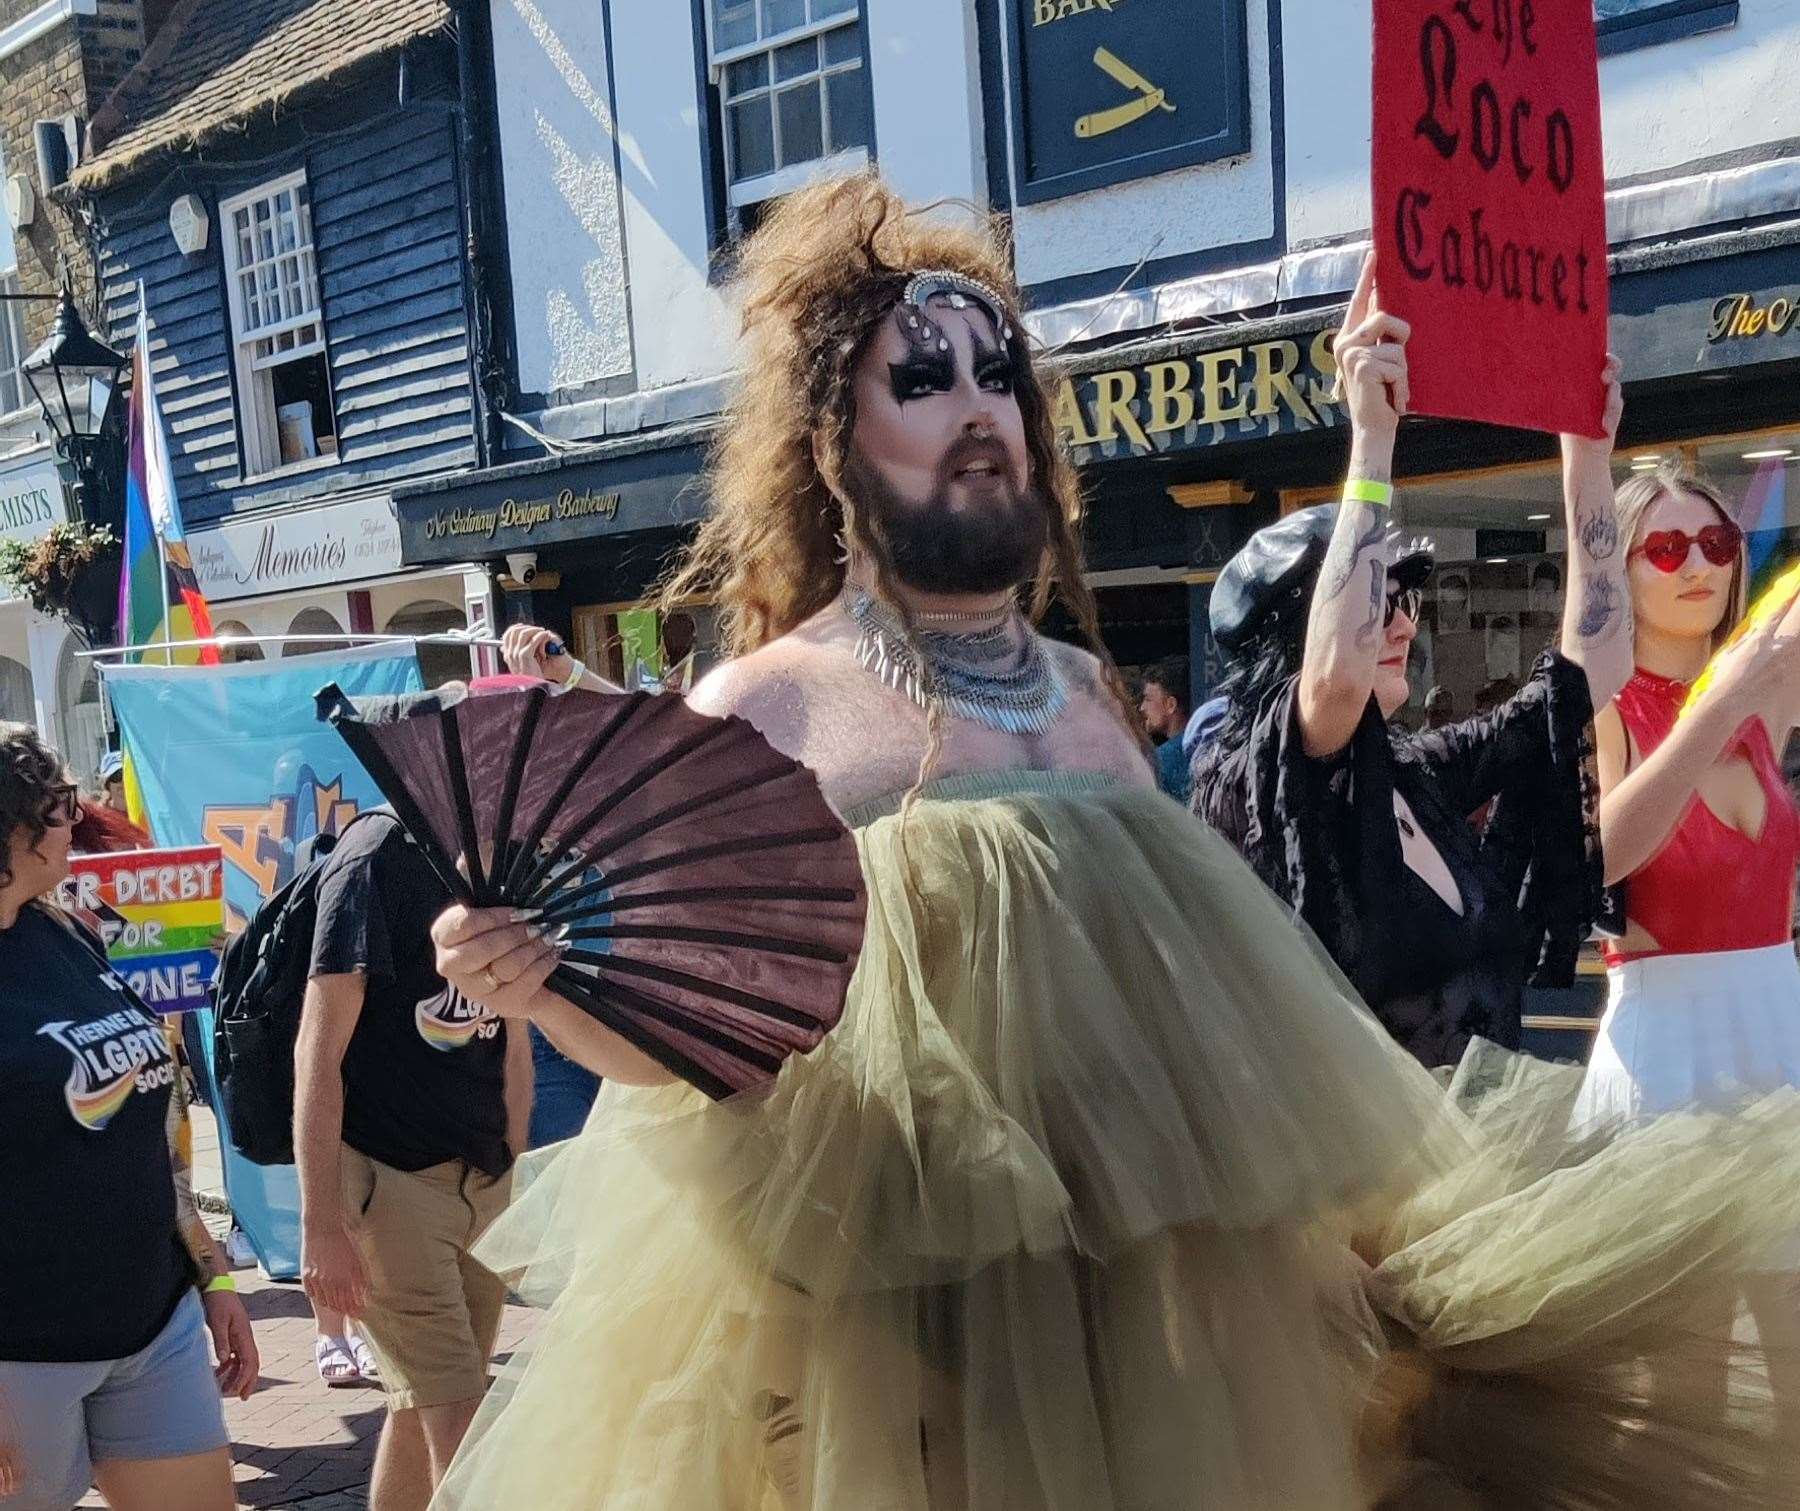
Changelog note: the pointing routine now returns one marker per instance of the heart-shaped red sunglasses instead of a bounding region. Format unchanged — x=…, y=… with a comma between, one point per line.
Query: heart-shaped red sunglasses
x=1667, y=550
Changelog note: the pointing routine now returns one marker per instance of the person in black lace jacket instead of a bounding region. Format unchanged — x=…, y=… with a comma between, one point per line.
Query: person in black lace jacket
x=1361, y=827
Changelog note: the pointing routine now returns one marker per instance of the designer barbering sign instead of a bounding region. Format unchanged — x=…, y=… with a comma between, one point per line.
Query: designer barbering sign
x=1489, y=203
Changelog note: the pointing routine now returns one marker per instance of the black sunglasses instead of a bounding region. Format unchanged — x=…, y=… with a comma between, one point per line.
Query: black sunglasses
x=1403, y=600
x=66, y=807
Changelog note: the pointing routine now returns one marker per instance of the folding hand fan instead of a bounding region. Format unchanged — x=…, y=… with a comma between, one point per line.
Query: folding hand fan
x=713, y=899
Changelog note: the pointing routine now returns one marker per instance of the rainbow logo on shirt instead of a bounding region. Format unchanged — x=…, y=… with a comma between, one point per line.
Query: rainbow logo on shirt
x=450, y=1021
x=114, y=1056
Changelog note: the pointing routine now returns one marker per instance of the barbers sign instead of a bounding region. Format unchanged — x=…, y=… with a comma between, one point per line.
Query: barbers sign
x=1490, y=214
x=1109, y=90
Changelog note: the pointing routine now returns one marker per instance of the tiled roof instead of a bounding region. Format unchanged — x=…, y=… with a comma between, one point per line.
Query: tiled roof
x=216, y=63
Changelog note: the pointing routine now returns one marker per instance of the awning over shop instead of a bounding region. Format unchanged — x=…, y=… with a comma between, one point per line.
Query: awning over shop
x=613, y=489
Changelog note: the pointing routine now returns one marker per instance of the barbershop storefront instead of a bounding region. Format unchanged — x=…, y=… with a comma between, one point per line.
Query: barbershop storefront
x=577, y=541
x=1189, y=446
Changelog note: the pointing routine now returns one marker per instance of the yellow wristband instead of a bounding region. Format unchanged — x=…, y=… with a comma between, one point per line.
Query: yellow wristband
x=573, y=680
x=219, y=1283
x=1363, y=490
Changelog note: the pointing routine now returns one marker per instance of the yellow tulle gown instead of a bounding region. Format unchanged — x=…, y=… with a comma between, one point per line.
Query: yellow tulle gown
x=1082, y=1207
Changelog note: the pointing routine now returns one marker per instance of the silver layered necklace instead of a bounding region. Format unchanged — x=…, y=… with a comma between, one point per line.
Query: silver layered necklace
x=977, y=675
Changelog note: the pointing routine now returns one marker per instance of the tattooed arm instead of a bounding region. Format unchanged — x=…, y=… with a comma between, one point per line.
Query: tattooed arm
x=234, y=1343
x=1343, y=630
x=1597, y=625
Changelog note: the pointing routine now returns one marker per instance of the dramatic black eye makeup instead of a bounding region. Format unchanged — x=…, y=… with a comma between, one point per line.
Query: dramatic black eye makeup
x=922, y=374
x=930, y=367
x=995, y=369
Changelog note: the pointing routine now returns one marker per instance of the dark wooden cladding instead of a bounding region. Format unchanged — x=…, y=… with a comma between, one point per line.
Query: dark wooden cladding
x=387, y=239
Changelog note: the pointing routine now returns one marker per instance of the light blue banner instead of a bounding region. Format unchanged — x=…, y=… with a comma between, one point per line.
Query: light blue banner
x=235, y=756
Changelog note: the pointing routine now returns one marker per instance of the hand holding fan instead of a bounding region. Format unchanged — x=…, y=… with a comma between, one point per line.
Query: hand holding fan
x=712, y=900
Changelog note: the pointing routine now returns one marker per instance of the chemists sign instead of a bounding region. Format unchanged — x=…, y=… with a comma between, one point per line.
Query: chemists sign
x=1109, y=90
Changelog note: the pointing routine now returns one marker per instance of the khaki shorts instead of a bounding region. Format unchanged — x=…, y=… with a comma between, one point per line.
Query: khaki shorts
x=433, y=1311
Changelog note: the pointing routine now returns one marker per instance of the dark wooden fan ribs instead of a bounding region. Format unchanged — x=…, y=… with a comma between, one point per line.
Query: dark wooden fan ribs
x=713, y=900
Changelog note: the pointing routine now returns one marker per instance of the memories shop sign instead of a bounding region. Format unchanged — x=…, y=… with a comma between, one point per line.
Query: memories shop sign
x=340, y=543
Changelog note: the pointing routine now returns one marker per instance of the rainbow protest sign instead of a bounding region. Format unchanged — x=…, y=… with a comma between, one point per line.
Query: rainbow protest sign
x=158, y=912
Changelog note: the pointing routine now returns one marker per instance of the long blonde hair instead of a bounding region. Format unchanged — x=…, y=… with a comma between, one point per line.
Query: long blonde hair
x=1640, y=492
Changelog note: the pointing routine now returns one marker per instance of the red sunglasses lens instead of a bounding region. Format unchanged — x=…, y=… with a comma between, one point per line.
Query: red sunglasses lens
x=1666, y=550
x=1719, y=544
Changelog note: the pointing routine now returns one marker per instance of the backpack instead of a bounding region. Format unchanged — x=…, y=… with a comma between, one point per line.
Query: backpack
x=260, y=988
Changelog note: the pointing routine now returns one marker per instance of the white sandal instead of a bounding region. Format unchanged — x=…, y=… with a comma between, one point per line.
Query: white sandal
x=365, y=1358
x=337, y=1364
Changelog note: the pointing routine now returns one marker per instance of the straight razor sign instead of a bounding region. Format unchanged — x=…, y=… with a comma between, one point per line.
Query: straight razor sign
x=1150, y=97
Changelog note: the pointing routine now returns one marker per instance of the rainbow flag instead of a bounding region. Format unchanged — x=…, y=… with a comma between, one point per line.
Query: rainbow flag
x=1763, y=516
x=159, y=595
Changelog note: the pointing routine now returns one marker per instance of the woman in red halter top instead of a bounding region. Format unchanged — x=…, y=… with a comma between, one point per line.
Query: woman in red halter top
x=1703, y=1001
x=1697, y=822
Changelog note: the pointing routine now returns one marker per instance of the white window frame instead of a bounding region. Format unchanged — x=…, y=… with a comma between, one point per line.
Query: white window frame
x=741, y=193
x=15, y=393
x=254, y=350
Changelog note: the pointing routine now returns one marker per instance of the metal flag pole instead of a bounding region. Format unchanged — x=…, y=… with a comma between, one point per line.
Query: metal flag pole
x=105, y=657
x=162, y=571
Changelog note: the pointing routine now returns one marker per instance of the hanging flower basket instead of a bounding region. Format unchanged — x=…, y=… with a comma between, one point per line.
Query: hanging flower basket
x=72, y=573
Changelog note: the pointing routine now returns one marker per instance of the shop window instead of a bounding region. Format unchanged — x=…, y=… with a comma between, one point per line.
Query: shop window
x=438, y=664
x=318, y=627
x=1495, y=601
x=83, y=721
x=1622, y=25
x=278, y=332
x=17, y=705
x=244, y=651
x=632, y=645
x=793, y=93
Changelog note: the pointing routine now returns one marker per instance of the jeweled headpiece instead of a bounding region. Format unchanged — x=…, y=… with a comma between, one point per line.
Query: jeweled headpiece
x=959, y=291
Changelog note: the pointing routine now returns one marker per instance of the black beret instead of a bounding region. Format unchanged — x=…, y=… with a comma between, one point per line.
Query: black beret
x=1269, y=583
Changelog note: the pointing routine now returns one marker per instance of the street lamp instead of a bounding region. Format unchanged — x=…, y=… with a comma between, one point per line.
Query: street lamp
x=73, y=377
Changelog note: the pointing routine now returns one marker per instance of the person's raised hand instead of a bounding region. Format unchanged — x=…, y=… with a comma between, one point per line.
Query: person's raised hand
x=1759, y=673
x=1371, y=360
x=528, y=652
x=234, y=1343
x=1600, y=448
x=495, y=957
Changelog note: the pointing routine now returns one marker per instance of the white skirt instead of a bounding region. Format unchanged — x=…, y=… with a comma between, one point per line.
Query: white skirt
x=1685, y=1031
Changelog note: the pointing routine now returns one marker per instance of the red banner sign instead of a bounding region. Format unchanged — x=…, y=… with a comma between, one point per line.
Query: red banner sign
x=1490, y=209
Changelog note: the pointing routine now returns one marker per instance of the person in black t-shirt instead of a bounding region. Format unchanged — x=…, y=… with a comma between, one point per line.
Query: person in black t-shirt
x=104, y=1374
x=410, y=1105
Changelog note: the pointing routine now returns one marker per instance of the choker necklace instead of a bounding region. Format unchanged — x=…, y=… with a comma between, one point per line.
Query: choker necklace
x=964, y=669
x=965, y=616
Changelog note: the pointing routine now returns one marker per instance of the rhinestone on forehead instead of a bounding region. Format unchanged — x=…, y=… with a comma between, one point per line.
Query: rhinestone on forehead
x=959, y=290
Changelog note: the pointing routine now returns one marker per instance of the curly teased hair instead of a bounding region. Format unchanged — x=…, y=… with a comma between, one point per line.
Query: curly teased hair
x=30, y=773
x=815, y=282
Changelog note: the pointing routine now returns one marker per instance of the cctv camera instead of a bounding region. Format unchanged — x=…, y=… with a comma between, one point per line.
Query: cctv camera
x=522, y=566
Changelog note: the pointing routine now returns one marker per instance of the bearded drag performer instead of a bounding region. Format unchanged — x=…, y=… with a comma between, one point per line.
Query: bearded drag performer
x=1052, y=1220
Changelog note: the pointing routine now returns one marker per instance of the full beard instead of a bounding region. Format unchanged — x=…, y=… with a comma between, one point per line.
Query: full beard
x=936, y=547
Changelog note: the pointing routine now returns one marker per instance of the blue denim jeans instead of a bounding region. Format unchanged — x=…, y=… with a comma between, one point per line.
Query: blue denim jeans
x=562, y=1093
